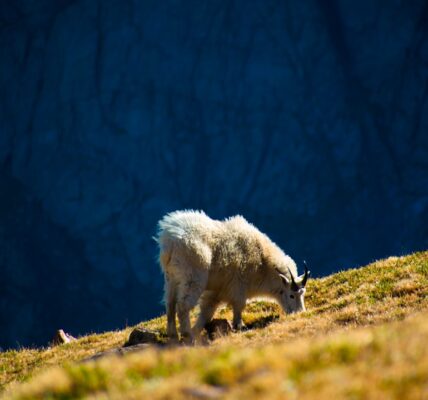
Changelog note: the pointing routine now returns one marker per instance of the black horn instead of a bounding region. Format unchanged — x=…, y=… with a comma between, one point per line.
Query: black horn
x=294, y=286
x=306, y=276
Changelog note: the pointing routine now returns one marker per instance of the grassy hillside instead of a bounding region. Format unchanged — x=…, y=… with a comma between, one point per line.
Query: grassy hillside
x=365, y=335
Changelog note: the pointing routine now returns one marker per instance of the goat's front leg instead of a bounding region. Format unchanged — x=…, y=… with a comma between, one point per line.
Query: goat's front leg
x=208, y=305
x=238, y=306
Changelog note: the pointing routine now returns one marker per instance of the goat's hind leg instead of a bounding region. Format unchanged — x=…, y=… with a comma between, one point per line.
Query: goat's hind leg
x=170, y=303
x=189, y=293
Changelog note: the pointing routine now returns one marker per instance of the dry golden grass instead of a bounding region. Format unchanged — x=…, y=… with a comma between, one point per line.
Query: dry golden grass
x=365, y=335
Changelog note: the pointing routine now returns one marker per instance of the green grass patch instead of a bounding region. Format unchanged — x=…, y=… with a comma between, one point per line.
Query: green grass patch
x=86, y=378
x=320, y=357
x=383, y=289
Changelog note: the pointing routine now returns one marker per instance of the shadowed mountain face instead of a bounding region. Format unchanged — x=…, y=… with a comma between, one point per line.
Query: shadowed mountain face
x=309, y=118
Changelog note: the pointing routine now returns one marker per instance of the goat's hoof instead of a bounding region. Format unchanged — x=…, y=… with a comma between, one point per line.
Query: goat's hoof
x=173, y=339
x=239, y=327
x=187, y=339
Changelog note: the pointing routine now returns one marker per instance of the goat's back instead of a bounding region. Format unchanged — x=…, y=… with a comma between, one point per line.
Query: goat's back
x=189, y=235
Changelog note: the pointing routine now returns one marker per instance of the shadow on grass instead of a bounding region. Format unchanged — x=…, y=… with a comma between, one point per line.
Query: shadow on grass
x=262, y=322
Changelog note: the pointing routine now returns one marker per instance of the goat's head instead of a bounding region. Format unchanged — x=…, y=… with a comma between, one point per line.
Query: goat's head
x=292, y=293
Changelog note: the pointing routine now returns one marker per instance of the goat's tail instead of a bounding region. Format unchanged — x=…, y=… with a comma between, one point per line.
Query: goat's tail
x=165, y=258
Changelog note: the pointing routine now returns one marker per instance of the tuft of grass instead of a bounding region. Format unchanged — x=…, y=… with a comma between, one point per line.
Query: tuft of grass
x=364, y=336
x=381, y=290
x=85, y=379
x=422, y=269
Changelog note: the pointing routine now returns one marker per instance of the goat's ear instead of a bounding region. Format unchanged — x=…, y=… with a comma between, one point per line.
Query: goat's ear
x=284, y=279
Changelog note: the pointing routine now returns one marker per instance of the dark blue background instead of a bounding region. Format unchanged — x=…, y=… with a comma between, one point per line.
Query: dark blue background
x=307, y=117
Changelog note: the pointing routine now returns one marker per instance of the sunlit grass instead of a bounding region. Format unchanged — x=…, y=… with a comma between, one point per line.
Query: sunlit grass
x=364, y=336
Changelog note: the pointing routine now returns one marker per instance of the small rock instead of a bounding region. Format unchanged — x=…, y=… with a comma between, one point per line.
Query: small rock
x=139, y=339
x=62, y=337
x=120, y=352
x=141, y=335
x=218, y=327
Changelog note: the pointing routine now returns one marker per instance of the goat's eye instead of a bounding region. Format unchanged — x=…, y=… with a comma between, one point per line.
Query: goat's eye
x=281, y=292
x=291, y=296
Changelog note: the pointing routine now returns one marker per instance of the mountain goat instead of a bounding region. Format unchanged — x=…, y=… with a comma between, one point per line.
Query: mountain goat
x=221, y=261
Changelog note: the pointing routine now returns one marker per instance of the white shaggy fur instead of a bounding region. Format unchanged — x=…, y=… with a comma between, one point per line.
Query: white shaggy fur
x=221, y=261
